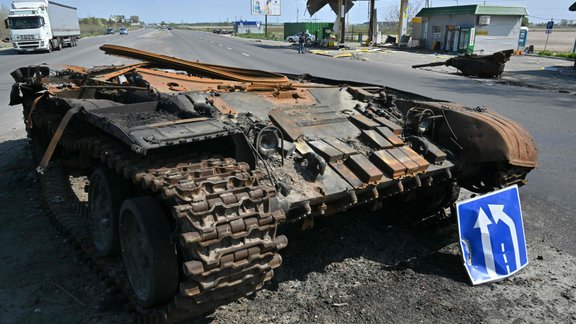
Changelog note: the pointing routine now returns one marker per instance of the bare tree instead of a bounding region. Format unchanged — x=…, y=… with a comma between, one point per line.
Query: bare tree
x=4, y=33
x=393, y=14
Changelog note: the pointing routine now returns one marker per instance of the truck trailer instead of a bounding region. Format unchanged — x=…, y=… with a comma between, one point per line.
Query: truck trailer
x=42, y=25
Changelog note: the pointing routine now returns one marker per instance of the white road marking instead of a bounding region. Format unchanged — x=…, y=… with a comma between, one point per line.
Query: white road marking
x=220, y=45
x=228, y=48
x=505, y=258
x=245, y=54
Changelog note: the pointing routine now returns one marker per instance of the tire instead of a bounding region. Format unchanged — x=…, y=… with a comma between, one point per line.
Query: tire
x=50, y=48
x=291, y=40
x=149, y=255
x=105, y=197
x=59, y=46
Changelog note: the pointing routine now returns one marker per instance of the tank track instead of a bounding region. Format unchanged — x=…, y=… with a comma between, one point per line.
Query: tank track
x=226, y=220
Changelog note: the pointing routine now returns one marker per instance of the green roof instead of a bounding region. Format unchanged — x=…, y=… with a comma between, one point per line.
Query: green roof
x=473, y=10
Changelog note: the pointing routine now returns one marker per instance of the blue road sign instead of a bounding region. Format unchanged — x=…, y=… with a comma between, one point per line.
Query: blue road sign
x=492, y=235
x=549, y=27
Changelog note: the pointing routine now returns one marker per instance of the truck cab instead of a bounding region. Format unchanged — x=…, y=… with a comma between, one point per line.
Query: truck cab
x=30, y=30
x=37, y=26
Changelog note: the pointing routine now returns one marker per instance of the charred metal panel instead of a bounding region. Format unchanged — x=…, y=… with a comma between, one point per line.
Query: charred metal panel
x=364, y=169
x=390, y=136
x=411, y=166
x=287, y=125
x=396, y=129
x=375, y=140
x=329, y=153
x=340, y=146
x=389, y=164
x=363, y=122
x=417, y=158
x=347, y=174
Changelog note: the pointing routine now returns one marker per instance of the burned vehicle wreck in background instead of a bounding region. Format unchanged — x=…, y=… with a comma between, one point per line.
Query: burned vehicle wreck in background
x=177, y=174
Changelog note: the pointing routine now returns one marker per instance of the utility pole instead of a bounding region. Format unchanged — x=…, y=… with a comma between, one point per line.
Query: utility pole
x=402, y=20
x=297, y=13
x=373, y=22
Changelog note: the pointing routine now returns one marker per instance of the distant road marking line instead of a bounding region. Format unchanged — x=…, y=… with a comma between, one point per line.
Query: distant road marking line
x=245, y=54
x=228, y=48
x=220, y=45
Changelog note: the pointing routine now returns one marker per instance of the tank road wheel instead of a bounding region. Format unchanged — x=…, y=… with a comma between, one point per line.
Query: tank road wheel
x=107, y=192
x=149, y=255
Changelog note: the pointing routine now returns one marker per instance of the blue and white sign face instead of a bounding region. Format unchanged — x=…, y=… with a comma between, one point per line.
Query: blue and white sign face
x=492, y=235
x=549, y=27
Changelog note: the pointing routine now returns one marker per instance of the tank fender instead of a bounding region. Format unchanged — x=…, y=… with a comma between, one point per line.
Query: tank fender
x=480, y=136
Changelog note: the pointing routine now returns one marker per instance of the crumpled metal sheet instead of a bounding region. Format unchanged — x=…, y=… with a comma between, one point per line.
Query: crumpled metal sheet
x=314, y=6
x=208, y=70
x=485, y=136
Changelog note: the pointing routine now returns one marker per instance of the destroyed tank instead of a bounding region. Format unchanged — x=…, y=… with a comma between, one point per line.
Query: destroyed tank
x=174, y=176
x=484, y=66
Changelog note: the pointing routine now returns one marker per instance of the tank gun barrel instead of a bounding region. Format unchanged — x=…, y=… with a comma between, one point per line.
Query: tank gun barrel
x=428, y=64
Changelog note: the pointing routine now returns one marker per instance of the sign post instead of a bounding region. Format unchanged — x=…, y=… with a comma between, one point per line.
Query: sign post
x=491, y=234
x=549, y=27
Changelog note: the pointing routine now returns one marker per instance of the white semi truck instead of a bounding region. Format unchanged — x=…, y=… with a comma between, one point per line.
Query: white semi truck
x=42, y=25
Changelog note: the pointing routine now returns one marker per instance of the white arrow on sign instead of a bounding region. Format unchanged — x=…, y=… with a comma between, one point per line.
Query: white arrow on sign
x=497, y=212
x=482, y=223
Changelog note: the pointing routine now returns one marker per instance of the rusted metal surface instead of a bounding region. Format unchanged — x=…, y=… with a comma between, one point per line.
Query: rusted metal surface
x=283, y=121
x=363, y=122
x=218, y=71
x=417, y=158
x=396, y=129
x=411, y=166
x=389, y=164
x=340, y=146
x=390, y=136
x=366, y=171
x=374, y=139
x=55, y=139
x=329, y=153
x=297, y=150
x=489, y=138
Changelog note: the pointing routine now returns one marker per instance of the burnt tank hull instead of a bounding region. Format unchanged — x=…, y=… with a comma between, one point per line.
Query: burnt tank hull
x=220, y=157
x=484, y=66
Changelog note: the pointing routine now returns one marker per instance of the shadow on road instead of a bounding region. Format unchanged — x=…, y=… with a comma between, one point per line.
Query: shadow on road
x=8, y=52
x=358, y=233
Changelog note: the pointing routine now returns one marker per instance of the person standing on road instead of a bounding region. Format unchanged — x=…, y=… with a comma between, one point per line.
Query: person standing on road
x=301, y=42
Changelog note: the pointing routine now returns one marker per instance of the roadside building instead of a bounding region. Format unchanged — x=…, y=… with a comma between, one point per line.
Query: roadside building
x=472, y=28
x=248, y=27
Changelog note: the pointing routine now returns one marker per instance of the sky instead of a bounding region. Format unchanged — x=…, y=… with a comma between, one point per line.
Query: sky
x=192, y=11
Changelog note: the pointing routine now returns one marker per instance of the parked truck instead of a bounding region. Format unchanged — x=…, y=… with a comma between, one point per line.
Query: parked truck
x=42, y=25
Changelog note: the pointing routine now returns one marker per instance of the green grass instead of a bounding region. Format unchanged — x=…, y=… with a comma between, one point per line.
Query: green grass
x=562, y=55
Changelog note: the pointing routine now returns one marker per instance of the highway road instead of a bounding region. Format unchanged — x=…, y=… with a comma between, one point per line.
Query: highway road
x=548, y=201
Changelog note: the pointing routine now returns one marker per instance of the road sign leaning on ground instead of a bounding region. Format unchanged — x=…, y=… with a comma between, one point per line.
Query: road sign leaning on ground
x=492, y=235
